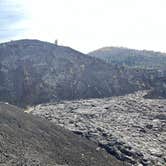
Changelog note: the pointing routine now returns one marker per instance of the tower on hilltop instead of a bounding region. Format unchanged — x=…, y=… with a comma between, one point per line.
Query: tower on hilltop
x=56, y=42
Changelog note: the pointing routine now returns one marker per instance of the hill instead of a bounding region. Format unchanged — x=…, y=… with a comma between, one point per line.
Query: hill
x=142, y=61
x=33, y=72
x=28, y=140
x=131, y=58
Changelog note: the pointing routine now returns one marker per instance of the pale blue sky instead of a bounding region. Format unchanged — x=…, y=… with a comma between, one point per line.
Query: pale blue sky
x=86, y=24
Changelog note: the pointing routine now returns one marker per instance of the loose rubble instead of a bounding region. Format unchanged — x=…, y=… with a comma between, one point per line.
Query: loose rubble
x=130, y=127
x=26, y=140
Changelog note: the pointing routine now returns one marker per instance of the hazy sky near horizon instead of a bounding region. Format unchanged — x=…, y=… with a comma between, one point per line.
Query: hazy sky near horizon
x=86, y=25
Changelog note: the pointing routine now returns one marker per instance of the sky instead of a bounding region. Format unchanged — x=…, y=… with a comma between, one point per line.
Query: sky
x=86, y=25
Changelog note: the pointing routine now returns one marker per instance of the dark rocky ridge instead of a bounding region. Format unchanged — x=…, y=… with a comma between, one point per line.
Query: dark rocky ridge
x=130, y=127
x=33, y=72
x=26, y=140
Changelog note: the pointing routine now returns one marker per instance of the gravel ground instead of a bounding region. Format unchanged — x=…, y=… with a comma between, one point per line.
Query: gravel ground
x=26, y=140
x=130, y=127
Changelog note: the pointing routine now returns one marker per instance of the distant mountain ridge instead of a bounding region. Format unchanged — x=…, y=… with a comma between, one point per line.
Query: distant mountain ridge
x=131, y=57
x=139, y=60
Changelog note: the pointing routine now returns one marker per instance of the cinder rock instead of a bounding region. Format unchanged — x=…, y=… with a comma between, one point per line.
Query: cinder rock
x=26, y=140
x=131, y=132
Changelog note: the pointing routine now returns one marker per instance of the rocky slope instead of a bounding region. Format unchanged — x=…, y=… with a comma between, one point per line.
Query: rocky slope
x=130, y=127
x=33, y=72
x=29, y=141
x=141, y=61
x=131, y=58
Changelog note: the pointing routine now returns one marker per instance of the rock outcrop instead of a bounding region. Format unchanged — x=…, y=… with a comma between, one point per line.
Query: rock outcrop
x=130, y=127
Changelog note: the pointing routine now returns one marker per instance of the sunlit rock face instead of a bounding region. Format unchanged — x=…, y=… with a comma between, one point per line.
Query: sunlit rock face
x=34, y=72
